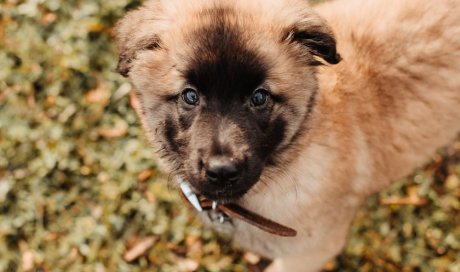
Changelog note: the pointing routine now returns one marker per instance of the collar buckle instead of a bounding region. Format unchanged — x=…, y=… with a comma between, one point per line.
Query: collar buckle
x=214, y=214
x=190, y=195
x=218, y=217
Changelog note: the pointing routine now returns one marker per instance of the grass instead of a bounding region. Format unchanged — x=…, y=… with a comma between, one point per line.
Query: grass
x=80, y=190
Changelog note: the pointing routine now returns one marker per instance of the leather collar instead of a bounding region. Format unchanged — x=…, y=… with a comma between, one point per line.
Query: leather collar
x=233, y=211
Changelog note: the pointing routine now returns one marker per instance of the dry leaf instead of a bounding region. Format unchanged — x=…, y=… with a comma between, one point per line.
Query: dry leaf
x=99, y=95
x=452, y=182
x=187, y=265
x=412, y=199
x=120, y=130
x=27, y=261
x=145, y=175
x=140, y=249
x=251, y=258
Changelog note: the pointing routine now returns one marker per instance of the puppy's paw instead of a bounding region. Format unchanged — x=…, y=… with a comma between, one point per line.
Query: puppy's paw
x=275, y=266
x=291, y=265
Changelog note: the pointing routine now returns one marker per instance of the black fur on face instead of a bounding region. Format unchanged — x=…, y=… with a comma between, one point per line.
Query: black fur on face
x=224, y=125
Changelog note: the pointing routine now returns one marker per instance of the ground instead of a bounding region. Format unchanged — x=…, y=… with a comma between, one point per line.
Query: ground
x=80, y=191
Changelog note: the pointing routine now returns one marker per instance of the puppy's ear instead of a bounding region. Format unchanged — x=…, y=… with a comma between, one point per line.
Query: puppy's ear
x=134, y=33
x=319, y=44
x=128, y=53
x=317, y=37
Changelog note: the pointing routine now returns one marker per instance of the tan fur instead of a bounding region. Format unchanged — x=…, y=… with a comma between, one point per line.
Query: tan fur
x=381, y=113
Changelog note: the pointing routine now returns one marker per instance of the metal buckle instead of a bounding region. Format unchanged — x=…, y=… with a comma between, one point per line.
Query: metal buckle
x=218, y=217
x=214, y=215
x=190, y=195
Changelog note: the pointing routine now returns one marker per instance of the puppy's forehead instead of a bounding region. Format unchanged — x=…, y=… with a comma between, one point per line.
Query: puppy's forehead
x=266, y=11
x=223, y=53
x=230, y=41
x=201, y=36
x=263, y=17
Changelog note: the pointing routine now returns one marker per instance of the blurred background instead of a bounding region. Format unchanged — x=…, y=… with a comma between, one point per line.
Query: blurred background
x=80, y=191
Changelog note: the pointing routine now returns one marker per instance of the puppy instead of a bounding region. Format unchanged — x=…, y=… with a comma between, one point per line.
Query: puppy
x=295, y=116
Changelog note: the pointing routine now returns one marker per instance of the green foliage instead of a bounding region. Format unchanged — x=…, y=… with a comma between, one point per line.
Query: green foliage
x=79, y=186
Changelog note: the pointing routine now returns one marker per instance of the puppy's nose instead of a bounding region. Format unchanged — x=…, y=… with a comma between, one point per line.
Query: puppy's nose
x=222, y=170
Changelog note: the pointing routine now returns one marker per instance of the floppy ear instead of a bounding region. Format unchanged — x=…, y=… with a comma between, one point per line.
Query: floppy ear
x=314, y=33
x=128, y=53
x=134, y=33
x=319, y=44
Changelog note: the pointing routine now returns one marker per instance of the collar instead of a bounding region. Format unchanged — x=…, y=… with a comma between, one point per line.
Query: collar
x=230, y=211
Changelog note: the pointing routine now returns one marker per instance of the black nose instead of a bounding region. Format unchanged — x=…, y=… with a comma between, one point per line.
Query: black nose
x=222, y=170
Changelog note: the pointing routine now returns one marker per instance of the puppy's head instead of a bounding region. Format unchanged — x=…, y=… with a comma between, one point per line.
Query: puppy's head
x=225, y=87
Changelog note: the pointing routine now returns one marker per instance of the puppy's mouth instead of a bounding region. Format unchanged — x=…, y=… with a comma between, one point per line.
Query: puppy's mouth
x=225, y=193
x=220, y=181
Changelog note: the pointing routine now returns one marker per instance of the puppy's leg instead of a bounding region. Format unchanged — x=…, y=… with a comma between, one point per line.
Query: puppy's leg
x=313, y=260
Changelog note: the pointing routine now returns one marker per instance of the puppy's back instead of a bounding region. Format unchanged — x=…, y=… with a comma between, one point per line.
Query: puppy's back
x=401, y=68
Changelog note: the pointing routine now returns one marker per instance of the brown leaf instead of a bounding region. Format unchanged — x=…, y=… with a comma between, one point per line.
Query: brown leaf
x=49, y=18
x=403, y=201
x=412, y=199
x=99, y=95
x=95, y=27
x=140, y=248
x=251, y=258
x=187, y=265
x=118, y=131
x=52, y=236
x=452, y=182
x=145, y=175
x=27, y=261
x=150, y=196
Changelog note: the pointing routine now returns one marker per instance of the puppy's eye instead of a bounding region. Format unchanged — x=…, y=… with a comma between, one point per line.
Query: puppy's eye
x=259, y=98
x=190, y=96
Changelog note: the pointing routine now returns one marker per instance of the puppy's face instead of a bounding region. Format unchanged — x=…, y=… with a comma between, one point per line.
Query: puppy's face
x=225, y=87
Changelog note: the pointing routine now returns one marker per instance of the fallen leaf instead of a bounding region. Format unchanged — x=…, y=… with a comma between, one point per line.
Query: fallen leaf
x=99, y=95
x=412, y=199
x=251, y=258
x=140, y=249
x=452, y=182
x=187, y=265
x=118, y=131
x=27, y=261
x=145, y=175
